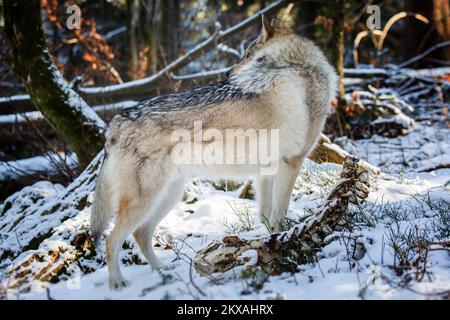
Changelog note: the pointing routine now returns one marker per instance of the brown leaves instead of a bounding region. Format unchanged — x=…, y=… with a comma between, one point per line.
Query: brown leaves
x=93, y=47
x=51, y=7
x=95, y=51
x=327, y=23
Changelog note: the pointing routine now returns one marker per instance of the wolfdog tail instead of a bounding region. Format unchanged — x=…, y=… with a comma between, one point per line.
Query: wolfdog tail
x=101, y=212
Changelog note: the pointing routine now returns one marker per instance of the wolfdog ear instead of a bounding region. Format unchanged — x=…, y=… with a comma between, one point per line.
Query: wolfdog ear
x=267, y=29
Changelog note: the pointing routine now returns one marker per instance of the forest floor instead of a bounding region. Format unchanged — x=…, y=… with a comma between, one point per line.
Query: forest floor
x=403, y=203
x=398, y=248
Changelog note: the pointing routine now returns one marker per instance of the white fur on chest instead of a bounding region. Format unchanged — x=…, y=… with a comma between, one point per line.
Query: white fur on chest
x=292, y=115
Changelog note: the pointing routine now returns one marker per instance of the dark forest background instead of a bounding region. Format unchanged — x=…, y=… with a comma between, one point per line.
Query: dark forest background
x=124, y=40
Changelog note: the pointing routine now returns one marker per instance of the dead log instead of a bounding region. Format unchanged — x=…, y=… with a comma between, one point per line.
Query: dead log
x=326, y=151
x=284, y=251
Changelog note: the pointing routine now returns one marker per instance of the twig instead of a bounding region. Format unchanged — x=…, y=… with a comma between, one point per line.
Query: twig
x=424, y=54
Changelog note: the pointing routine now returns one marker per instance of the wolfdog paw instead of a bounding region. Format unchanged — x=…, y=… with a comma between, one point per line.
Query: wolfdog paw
x=117, y=284
x=275, y=226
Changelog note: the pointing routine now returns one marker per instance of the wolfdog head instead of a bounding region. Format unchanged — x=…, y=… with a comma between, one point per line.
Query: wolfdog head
x=276, y=52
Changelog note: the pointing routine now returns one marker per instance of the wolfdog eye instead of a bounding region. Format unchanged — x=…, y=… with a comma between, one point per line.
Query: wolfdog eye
x=261, y=59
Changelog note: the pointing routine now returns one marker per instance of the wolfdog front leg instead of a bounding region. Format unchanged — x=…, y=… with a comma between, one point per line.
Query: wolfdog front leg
x=283, y=183
x=264, y=197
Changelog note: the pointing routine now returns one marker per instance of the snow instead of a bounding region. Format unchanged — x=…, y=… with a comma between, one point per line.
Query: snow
x=48, y=163
x=37, y=115
x=30, y=214
x=115, y=32
x=16, y=98
x=423, y=146
x=74, y=100
x=365, y=71
x=192, y=226
x=24, y=117
x=405, y=199
x=434, y=72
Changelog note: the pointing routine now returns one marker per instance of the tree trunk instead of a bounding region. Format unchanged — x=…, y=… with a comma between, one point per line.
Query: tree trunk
x=142, y=88
x=67, y=112
x=170, y=29
x=340, y=46
x=438, y=12
x=441, y=20
x=147, y=31
x=338, y=62
x=304, y=20
x=133, y=36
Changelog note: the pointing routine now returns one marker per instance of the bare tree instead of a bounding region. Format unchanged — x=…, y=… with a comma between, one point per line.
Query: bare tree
x=143, y=87
x=133, y=36
x=170, y=29
x=147, y=10
x=338, y=61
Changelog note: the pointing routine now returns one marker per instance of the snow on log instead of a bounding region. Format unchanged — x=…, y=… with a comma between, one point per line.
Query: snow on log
x=326, y=151
x=14, y=118
x=49, y=163
x=33, y=218
x=280, y=252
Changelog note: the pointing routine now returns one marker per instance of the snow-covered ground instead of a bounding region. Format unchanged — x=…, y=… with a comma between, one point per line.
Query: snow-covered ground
x=404, y=204
x=401, y=253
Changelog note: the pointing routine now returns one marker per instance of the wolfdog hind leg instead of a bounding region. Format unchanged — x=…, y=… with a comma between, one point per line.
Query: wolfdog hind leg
x=135, y=203
x=144, y=233
x=128, y=218
x=282, y=189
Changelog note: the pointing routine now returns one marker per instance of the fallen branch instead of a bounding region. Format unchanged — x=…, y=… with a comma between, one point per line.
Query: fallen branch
x=100, y=95
x=424, y=54
x=32, y=116
x=282, y=252
x=21, y=102
x=434, y=167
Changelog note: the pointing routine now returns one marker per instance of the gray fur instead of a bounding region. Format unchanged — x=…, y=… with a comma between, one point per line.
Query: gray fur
x=199, y=97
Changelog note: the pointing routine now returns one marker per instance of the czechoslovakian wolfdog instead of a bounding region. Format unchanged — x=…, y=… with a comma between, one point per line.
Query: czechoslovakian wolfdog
x=283, y=83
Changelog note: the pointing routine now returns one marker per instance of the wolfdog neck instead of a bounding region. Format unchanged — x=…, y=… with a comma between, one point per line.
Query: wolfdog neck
x=199, y=97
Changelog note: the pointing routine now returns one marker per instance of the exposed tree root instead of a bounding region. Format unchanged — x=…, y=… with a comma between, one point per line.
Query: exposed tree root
x=284, y=251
